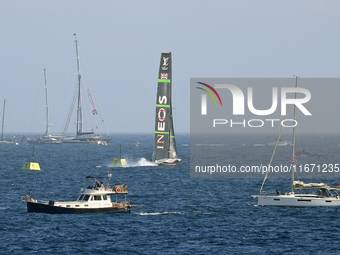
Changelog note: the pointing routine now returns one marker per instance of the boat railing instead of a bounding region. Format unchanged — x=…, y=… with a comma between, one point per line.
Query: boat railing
x=30, y=199
x=121, y=204
x=116, y=188
x=119, y=188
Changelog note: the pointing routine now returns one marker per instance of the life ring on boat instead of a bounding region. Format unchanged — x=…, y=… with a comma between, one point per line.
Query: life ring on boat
x=118, y=190
x=338, y=186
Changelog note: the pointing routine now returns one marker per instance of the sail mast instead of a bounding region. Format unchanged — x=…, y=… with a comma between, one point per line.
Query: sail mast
x=79, y=109
x=293, y=147
x=172, y=141
x=3, y=121
x=47, y=118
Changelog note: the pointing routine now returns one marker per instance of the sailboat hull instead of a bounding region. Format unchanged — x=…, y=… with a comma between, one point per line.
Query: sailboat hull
x=298, y=200
x=88, y=140
x=8, y=143
x=43, y=141
x=169, y=162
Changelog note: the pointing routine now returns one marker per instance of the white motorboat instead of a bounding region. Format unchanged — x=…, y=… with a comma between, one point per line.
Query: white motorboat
x=98, y=198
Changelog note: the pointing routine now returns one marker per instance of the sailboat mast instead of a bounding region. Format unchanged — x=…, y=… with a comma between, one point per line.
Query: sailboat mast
x=79, y=109
x=47, y=118
x=293, y=147
x=3, y=121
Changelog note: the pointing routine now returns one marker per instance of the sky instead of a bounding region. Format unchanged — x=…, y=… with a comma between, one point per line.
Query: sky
x=121, y=43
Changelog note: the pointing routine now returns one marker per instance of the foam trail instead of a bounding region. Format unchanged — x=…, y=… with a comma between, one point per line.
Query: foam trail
x=140, y=162
x=159, y=213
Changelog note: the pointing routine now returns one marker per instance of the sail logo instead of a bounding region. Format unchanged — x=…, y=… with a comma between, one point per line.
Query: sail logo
x=161, y=116
x=165, y=63
x=239, y=99
x=164, y=76
x=204, y=97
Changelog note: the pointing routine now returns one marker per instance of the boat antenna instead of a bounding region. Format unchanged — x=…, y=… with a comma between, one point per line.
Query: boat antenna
x=33, y=155
x=47, y=117
x=3, y=120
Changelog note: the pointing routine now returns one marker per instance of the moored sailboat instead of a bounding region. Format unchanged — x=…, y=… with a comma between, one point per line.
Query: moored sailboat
x=165, y=151
x=81, y=136
x=297, y=197
x=47, y=138
x=5, y=140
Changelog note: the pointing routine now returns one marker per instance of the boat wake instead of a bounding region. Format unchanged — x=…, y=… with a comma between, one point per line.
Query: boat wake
x=140, y=162
x=159, y=213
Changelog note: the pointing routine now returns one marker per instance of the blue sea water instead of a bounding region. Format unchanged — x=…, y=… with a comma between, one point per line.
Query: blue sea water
x=173, y=213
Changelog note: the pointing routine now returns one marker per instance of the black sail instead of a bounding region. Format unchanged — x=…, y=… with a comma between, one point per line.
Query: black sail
x=164, y=144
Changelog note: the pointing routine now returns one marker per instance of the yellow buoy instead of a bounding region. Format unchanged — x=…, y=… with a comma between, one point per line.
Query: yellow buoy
x=31, y=165
x=119, y=161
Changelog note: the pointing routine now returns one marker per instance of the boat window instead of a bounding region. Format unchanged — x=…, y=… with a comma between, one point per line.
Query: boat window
x=322, y=192
x=105, y=197
x=81, y=197
x=97, y=197
x=86, y=197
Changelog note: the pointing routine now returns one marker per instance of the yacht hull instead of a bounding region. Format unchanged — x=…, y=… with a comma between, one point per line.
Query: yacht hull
x=101, y=141
x=35, y=207
x=39, y=142
x=8, y=143
x=298, y=201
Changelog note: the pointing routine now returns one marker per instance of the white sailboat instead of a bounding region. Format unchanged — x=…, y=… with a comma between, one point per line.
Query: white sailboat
x=3, y=139
x=47, y=138
x=165, y=151
x=298, y=197
x=81, y=136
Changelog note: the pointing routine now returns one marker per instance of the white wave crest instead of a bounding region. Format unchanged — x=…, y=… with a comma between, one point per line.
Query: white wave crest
x=140, y=162
x=159, y=213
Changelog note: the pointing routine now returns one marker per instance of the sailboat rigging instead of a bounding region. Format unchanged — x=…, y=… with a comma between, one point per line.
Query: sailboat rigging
x=3, y=139
x=165, y=151
x=81, y=136
x=47, y=138
x=324, y=196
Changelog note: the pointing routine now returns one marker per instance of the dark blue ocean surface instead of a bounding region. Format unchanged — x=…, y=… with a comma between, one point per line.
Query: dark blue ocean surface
x=173, y=213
